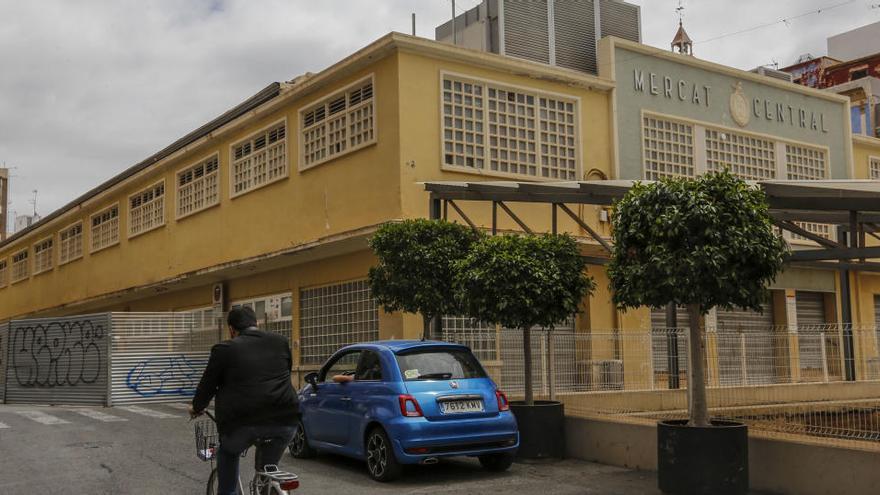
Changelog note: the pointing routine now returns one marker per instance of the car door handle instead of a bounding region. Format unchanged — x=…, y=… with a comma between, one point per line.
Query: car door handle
x=345, y=398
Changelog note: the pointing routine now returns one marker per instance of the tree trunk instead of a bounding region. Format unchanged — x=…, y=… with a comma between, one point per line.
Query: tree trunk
x=527, y=366
x=698, y=410
x=426, y=331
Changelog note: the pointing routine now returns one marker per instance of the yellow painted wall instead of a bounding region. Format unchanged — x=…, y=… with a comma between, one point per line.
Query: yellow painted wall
x=352, y=191
x=421, y=145
x=864, y=148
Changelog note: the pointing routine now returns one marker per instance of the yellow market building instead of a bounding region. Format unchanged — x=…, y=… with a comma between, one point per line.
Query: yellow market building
x=272, y=203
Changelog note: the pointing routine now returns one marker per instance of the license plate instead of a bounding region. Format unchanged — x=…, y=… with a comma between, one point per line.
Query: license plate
x=461, y=406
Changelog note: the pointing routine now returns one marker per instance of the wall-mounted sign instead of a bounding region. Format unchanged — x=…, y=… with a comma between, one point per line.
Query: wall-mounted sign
x=696, y=93
x=217, y=300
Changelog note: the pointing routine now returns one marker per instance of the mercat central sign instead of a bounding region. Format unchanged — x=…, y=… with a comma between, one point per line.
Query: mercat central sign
x=694, y=93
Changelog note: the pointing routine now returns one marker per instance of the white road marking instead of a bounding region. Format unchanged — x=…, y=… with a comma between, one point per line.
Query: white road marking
x=100, y=416
x=41, y=417
x=178, y=405
x=3, y=425
x=147, y=412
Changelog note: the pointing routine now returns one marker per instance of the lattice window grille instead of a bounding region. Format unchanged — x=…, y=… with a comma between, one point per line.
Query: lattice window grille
x=558, y=138
x=463, y=121
x=335, y=316
x=803, y=163
x=4, y=274
x=668, y=147
x=146, y=210
x=70, y=246
x=748, y=157
x=874, y=168
x=20, y=266
x=198, y=187
x=259, y=160
x=43, y=252
x=341, y=123
x=512, y=132
x=105, y=229
x=508, y=131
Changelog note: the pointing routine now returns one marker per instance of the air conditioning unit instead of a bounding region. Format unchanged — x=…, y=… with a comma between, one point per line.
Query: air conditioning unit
x=608, y=374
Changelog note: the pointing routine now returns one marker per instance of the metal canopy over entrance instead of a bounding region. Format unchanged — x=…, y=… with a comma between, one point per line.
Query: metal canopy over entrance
x=851, y=208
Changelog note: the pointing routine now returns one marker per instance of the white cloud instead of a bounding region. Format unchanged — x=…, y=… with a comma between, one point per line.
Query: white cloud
x=89, y=88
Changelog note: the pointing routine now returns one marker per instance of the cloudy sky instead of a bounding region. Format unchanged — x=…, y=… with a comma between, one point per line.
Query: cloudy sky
x=89, y=88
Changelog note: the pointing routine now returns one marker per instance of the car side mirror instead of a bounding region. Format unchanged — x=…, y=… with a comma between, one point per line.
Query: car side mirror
x=312, y=379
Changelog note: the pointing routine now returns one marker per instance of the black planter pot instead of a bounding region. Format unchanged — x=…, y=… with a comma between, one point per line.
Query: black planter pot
x=703, y=460
x=541, y=429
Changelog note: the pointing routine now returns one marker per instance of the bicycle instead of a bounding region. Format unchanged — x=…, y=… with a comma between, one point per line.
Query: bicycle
x=268, y=479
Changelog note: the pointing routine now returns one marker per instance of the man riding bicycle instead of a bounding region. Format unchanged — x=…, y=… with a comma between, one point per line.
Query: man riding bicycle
x=250, y=377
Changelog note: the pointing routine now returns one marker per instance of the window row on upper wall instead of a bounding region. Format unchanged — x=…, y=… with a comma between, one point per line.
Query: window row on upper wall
x=680, y=148
x=332, y=126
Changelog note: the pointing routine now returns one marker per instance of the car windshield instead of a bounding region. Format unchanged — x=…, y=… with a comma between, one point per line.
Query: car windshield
x=439, y=364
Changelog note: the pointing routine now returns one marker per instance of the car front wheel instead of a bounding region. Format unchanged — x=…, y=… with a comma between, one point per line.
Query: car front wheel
x=381, y=462
x=299, y=446
x=496, y=462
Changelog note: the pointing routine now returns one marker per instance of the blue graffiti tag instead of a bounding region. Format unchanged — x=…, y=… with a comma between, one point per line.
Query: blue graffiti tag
x=172, y=375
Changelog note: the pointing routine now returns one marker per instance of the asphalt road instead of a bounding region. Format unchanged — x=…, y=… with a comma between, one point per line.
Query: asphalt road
x=150, y=450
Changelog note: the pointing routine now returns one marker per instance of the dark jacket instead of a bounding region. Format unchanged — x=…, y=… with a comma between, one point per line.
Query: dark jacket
x=250, y=377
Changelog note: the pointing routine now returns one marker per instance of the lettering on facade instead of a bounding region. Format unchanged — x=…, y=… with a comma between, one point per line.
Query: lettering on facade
x=57, y=354
x=699, y=94
x=656, y=85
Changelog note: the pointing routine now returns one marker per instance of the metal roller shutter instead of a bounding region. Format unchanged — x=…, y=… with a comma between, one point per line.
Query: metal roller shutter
x=4, y=331
x=526, y=30
x=746, y=341
x=660, y=340
x=575, y=43
x=159, y=357
x=58, y=361
x=810, y=308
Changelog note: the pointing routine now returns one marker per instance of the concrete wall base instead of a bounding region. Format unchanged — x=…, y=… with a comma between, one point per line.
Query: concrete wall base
x=775, y=465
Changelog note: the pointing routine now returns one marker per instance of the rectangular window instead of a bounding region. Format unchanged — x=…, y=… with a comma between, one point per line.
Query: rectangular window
x=70, y=244
x=105, y=228
x=146, y=209
x=509, y=131
x=668, y=147
x=260, y=159
x=747, y=157
x=20, y=267
x=43, y=252
x=339, y=124
x=4, y=275
x=198, y=187
x=335, y=316
x=803, y=163
x=273, y=312
x=874, y=168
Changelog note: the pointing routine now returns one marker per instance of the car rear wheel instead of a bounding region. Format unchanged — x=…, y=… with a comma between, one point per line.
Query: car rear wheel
x=299, y=446
x=381, y=462
x=496, y=462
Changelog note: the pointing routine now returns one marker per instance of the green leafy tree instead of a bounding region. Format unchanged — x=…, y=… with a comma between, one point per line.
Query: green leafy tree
x=415, y=269
x=701, y=243
x=521, y=282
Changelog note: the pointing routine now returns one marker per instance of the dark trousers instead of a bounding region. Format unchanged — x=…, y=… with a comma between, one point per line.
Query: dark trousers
x=233, y=443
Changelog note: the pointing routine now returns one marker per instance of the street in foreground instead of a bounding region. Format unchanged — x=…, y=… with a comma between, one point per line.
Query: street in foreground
x=149, y=449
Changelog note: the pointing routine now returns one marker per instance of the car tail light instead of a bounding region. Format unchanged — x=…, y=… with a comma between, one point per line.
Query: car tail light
x=503, y=405
x=409, y=406
x=289, y=484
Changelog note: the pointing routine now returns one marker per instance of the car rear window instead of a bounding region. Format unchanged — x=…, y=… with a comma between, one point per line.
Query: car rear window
x=439, y=364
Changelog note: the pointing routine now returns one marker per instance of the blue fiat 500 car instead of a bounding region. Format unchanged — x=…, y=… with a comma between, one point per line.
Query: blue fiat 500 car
x=405, y=402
